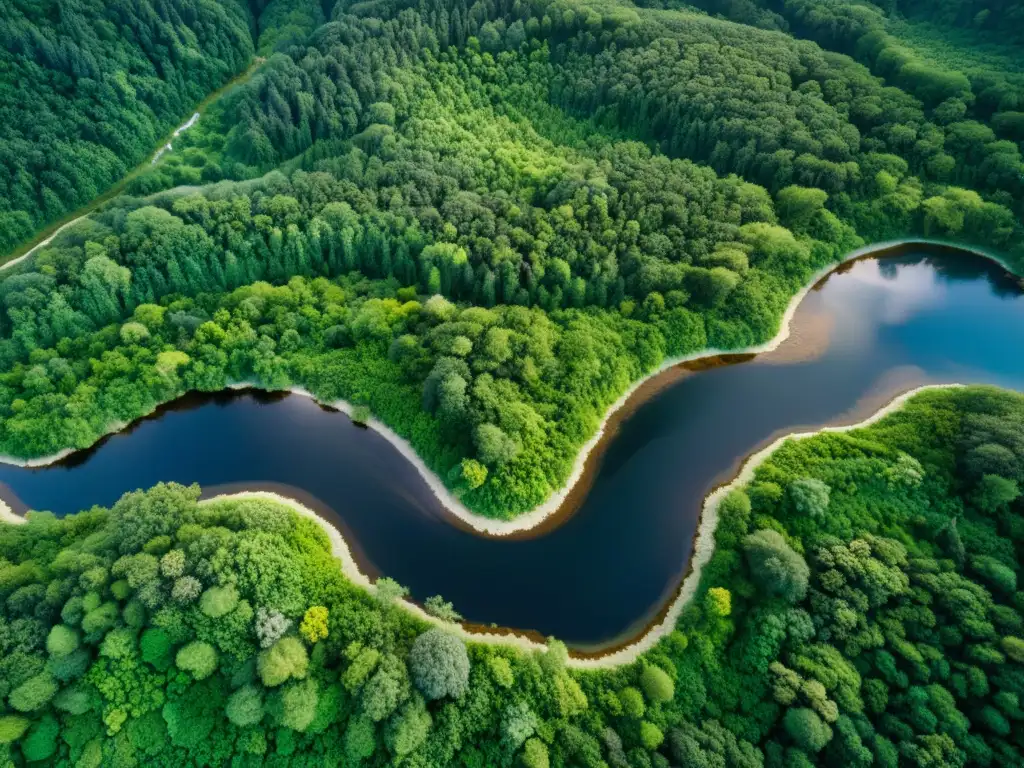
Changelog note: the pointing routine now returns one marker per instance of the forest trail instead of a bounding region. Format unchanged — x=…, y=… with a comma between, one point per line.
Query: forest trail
x=45, y=237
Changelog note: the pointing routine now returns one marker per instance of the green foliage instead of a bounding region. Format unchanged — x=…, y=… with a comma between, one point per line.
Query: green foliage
x=776, y=567
x=62, y=640
x=314, y=624
x=12, y=727
x=284, y=660
x=65, y=74
x=245, y=706
x=893, y=653
x=218, y=601
x=535, y=754
x=549, y=292
x=809, y=496
x=198, y=658
x=807, y=729
x=34, y=693
x=657, y=685
x=439, y=664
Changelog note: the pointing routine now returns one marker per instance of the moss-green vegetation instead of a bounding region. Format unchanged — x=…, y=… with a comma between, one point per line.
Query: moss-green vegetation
x=591, y=188
x=884, y=629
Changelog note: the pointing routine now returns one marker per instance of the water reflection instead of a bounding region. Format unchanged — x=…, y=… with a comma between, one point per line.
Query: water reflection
x=607, y=569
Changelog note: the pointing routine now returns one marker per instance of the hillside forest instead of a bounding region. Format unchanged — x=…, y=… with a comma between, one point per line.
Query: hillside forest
x=479, y=222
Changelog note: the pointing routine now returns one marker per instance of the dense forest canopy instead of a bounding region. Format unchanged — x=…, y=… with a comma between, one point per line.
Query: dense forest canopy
x=89, y=87
x=482, y=221
x=862, y=608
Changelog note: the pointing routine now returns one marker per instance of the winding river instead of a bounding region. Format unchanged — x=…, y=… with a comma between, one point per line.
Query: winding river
x=599, y=572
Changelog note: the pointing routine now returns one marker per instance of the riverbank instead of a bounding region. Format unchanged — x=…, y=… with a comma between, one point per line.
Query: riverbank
x=544, y=512
x=630, y=650
x=668, y=618
x=552, y=511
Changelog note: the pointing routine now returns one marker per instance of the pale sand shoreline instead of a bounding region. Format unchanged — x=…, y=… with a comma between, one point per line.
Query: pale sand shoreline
x=703, y=548
x=531, y=519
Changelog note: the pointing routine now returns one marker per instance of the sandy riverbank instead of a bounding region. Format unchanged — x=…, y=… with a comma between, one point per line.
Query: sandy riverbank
x=703, y=548
x=535, y=517
x=539, y=514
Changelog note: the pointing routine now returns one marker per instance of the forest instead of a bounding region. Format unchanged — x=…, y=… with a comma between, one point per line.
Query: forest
x=483, y=222
x=862, y=607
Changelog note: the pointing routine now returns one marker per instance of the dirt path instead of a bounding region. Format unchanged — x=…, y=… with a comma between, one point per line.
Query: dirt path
x=46, y=236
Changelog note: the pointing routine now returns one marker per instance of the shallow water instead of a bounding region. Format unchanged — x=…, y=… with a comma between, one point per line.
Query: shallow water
x=877, y=328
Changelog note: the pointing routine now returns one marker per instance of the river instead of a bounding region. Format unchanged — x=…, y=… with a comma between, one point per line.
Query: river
x=599, y=572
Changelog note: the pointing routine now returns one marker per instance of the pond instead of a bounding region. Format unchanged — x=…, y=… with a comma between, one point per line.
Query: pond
x=598, y=574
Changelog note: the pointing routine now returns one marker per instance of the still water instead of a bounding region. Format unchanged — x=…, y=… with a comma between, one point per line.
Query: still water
x=868, y=332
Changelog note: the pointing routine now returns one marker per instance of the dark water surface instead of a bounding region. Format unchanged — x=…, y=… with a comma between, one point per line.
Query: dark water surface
x=877, y=328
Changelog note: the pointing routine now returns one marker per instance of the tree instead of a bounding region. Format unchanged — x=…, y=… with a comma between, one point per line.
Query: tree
x=284, y=660
x=798, y=206
x=474, y=473
x=386, y=689
x=12, y=727
x=186, y=589
x=271, y=626
x=360, y=741
x=535, y=754
x=807, y=729
x=218, y=601
x=809, y=496
x=718, y=602
x=656, y=684
x=775, y=566
x=995, y=492
x=197, y=657
x=156, y=648
x=298, y=702
x=632, y=702
x=62, y=640
x=34, y=693
x=439, y=664
x=314, y=624
x=493, y=445
x=408, y=728
x=650, y=735
x=245, y=706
